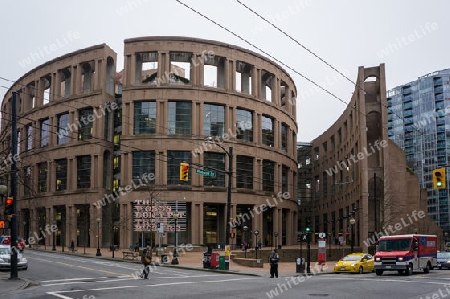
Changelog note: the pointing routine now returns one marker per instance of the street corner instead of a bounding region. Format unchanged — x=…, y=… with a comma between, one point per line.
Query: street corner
x=10, y=286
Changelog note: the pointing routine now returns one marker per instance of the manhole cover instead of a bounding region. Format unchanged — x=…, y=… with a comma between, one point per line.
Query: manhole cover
x=319, y=295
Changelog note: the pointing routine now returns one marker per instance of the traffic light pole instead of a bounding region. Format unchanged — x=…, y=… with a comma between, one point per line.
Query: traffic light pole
x=308, y=253
x=14, y=273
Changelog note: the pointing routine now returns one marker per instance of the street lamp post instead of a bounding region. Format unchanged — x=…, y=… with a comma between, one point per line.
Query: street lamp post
x=54, y=240
x=352, y=223
x=98, y=238
x=230, y=174
x=175, y=258
x=276, y=239
x=245, y=228
x=256, y=232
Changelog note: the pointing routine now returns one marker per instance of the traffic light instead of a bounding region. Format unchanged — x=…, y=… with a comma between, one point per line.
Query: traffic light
x=439, y=180
x=184, y=171
x=308, y=230
x=9, y=206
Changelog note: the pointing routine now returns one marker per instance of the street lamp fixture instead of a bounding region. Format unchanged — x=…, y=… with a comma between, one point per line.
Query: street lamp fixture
x=352, y=223
x=230, y=174
x=256, y=242
x=98, y=238
x=245, y=228
x=175, y=255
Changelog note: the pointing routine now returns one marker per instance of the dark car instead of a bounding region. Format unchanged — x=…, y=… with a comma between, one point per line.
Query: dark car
x=443, y=259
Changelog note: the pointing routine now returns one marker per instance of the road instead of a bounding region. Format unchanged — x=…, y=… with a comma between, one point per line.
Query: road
x=73, y=277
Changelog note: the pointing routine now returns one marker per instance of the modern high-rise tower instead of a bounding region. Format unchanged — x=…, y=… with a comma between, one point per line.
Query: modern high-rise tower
x=419, y=122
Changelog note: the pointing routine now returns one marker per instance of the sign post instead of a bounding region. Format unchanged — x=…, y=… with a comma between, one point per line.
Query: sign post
x=322, y=257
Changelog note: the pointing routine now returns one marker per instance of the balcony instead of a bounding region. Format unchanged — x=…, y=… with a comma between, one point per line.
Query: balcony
x=442, y=160
x=441, y=145
x=410, y=113
x=437, y=81
x=438, y=89
x=406, y=90
x=407, y=106
x=407, y=99
x=441, y=152
x=439, y=97
x=408, y=121
x=440, y=105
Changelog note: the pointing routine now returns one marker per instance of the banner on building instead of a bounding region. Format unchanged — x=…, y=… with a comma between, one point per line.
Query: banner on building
x=148, y=213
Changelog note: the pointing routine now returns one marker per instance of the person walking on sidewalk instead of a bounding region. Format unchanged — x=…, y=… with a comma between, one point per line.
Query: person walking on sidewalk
x=274, y=258
x=146, y=259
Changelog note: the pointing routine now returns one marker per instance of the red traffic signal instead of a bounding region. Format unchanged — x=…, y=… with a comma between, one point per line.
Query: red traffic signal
x=9, y=209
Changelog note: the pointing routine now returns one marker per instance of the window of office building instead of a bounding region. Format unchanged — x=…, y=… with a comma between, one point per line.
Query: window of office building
x=268, y=175
x=244, y=125
x=61, y=174
x=267, y=130
x=143, y=166
x=174, y=158
x=244, y=172
x=83, y=172
x=27, y=184
x=213, y=120
x=29, y=137
x=45, y=132
x=63, y=128
x=86, y=124
x=42, y=177
x=180, y=118
x=284, y=130
x=144, y=118
x=215, y=161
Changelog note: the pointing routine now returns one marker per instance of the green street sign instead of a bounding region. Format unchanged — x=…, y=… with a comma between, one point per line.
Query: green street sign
x=208, y=173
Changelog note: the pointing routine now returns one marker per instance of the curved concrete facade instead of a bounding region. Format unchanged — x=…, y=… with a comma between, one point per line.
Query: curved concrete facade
x=172, y=94
x=359, y=173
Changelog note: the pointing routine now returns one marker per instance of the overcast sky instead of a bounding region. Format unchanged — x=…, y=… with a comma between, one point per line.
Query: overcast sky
x=410, y=37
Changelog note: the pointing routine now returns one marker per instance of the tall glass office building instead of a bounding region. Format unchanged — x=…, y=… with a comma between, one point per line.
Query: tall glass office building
x=419, y=122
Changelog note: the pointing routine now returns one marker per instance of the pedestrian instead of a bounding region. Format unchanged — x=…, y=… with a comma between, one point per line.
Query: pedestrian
x=146, y=259
x=136, y=247
x=259, y=244
x=72, y=246
x=274, y=258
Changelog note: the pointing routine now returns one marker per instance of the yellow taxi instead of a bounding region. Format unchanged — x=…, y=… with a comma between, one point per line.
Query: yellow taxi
x=355, y=263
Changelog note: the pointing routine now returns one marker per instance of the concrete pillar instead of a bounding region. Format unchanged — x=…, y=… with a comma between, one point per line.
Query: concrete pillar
x=289, y=228
x=255, y=80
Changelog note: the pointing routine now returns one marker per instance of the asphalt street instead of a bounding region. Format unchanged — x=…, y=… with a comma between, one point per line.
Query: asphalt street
x=57, y=275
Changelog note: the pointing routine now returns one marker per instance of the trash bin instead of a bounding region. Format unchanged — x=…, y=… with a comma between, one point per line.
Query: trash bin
x=214, y=262
x=222, y=263
x=299, y=265
x=206, y=260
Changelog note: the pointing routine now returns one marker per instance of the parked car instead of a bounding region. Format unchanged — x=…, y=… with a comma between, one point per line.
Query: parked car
x=443, y=259
x=6, y=240
x=5, y=259
x=355, y=263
